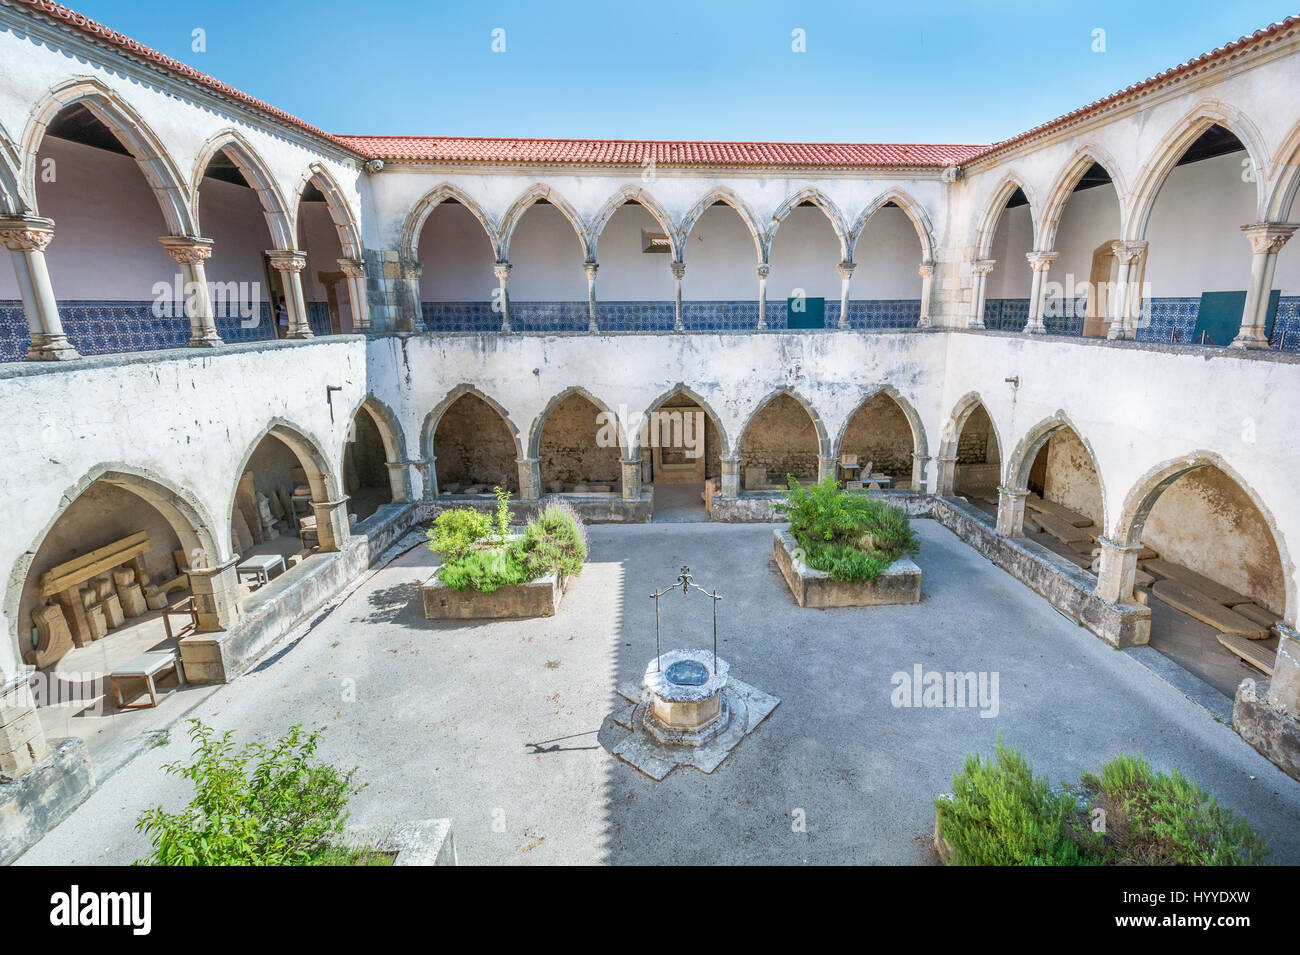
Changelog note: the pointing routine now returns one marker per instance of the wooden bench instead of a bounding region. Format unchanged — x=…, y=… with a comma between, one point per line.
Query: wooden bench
x=63, y=581
x=147, y=667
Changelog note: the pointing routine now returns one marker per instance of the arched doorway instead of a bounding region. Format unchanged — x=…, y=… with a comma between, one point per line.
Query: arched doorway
x=475, y=448
x=878, y=439
x=574, y=452
x=1064, y=508
x=781, y=440
x=458, y=289
x=971, y=463
x=682, y=446
x=803, y=287
x=367, y=478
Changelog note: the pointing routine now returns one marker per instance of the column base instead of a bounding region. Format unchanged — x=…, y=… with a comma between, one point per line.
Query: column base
x=1250, y=341
x=1119, y=332
x=977, y=323
x=216, y=596
x=1035, y=328
x=924, y=322
x=332, y=526
x=1274, y=733
x=301, y=333
x=51, y=348
x=205, y=341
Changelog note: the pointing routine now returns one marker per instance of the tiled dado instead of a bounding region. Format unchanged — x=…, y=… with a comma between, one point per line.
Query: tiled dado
x=653, y=316
x=106, y=328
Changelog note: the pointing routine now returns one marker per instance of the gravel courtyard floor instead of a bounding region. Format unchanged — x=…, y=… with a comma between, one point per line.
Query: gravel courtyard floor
x=504, y=727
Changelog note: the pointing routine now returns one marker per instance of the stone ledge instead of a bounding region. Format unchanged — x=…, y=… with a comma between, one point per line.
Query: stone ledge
x=899, y=583
x=425, y=842
x=1274, y=734
x=37, y=801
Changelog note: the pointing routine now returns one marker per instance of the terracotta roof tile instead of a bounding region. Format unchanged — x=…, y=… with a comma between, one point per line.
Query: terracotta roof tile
x=607, y=152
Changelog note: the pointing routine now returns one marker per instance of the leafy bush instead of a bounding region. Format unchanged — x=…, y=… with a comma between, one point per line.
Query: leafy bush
x=553, y=542
x=849, y=536
x=265, y=804
x=1001, y=814
x=502, y=515
x=454, y=533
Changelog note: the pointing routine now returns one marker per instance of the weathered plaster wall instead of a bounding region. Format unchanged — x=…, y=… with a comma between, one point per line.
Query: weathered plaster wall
x=1071, y=479
x=473, y=446
x=879, y=434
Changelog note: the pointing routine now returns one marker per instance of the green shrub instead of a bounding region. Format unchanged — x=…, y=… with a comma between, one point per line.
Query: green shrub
x=502, y=515
x=1001, y=814
x=484, y=570
x=265, y=804
x=553, y=542
x=848, y=536
x=454, y=533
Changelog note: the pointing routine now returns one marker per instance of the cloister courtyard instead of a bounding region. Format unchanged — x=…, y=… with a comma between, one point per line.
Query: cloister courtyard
x=504, y=727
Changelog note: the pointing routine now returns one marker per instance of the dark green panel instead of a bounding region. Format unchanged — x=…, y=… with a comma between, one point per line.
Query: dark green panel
x=812, y=313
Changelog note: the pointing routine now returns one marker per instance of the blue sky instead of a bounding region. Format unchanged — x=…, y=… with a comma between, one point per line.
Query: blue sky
x=871, y=72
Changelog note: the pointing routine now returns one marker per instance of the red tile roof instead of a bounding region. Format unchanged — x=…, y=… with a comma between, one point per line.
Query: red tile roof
x=636, y=152
x=1227, y=51
x=59, y=12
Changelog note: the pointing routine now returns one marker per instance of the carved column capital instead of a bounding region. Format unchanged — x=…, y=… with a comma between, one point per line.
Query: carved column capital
x=846, y=269
x=1041, y=261
x=982, y=266
x=925, y=270
x=1130, y=252
x=287, y=260
x=763, y=270
x=590, y=268
x=677, y=268
x=187, y=249
x=1267, y=238
x=501, y=270
x=353, y=268
x=26, y=233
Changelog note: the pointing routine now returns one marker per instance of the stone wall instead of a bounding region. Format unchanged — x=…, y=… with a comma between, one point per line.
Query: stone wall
x=569, y=451
x=473, y=446
x=1071, y=480
x=783, y=440
x=879, y=433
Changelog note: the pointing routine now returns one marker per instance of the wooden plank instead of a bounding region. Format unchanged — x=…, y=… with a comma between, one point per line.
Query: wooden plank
x=1257, y=614
x=1143, y=579
x=1198, y=605
x=1194, y=581
x=1063, y=531
x=1058, y=511
x=71, y=566
x=1258, y=655
x=60, y=578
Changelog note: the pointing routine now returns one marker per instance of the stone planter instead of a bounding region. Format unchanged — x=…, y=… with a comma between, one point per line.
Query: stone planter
x=900, y=583
x=426, y=842
x=537, y=598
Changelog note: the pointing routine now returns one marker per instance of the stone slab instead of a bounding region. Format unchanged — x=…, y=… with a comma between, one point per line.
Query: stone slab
x=1194, y=581
x=1056, y=511
x=899, y=583
x=424, y=842
x=1198, y=605
x=1273, y=733
x=1257, y=614
x=1063, y=530
x=41, y=798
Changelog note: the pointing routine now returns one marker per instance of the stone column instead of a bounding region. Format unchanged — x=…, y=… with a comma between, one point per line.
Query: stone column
x=926, y=272
x=1266, y=241
x=1284, y=685
x=1040, y=262
x=290, y=263
x=1128, y=297
x=678, y=270
x=919, y=461
x=411, y=272
x=631, y=478
x=216, y=595
x=22, y=741
x=846, y=273
x=26, y=237
x=764, y=270
x=1117, y=570
x=826, y=467
x=355, y=270
x=332, y=528
x=190, y=252
x=530, y=478
x=1011, y=511
x=947, y=477
x=502, y=271
x=730, y=477
x=590, y=269
x=399, y=480
x=428, y=477
x=980, y=269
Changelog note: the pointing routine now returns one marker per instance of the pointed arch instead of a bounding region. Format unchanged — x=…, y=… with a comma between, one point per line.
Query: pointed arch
x=160, y=171
x=388, y=424
x=278, y=219
x=987, y=226
x=420, y=212
x=681, y=388
x=823, y=438
x=1156, y=170
x=433, y=418
x=952, y=431
x=920, y=443
x=535, y=432
x=345, y=223
x=1142, y=497
x=911, y=208
x=184, y=512
x=1022, y=458
x=527, y=199
x=321, y=476
x=727, y=196
x=1063, y=189
x=1286, y=170
x=12, y=200
x=630, y=193
x=828, y=208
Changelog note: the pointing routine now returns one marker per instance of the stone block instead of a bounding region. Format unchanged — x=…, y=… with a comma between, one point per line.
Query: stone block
x=899, y=583
x=40, y=799
x=536, y=598
x=1274, y=733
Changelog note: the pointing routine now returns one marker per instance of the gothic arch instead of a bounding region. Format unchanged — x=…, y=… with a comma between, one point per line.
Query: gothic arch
x=12, y=200
x=340, y=212
x=920, y=444
x=160, y=171
x=1016, y=471
x=1155, y=172
x=911, y=208
x=1144, y=494
x=1063, y=188
x=828, y=208
x=535, y=432
x=322, y=478
x=987, y=226
x=421, y=211
x=1286, y=167
x=823, y=438
x=432, y=419
x=616, y=201
x=952, y=430
x=529, y=198
x=725, y=195
x=253, y=169
x=682, y=389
